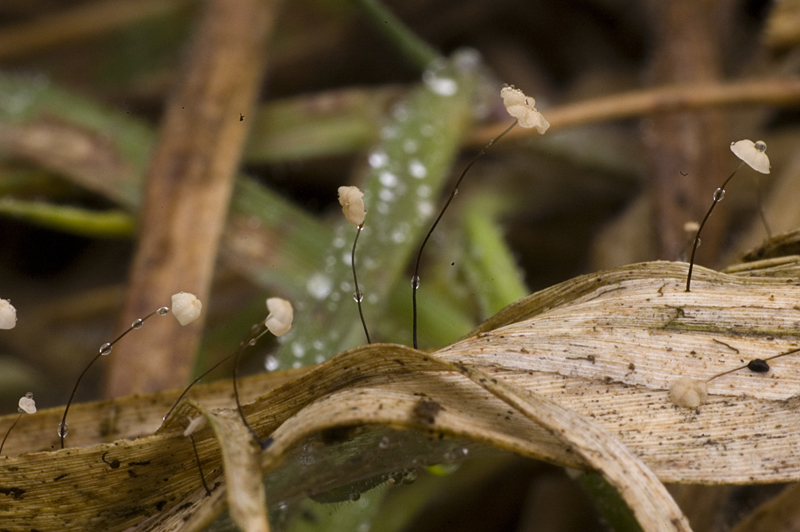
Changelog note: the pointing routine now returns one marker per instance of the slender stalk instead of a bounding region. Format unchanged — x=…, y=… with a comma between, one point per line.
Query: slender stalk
x=105, y=349
x=453, y=194
x=358, y=295
x=242, y=346
x=791, y=352
x=199, y=466
x=9, y=432
x=718, y=195
x=236, y=387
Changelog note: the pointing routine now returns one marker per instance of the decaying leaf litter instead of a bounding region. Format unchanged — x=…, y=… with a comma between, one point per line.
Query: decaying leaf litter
x=612, y=369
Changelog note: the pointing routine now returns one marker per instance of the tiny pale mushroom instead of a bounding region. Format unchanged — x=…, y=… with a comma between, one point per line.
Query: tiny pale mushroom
x=753, y=153
x=196, y=424
x=281, y=314
x=186, y=307
x=8, y=314
x=688, y=392
x=352, y=201
x=523, y=109
x=27, y=404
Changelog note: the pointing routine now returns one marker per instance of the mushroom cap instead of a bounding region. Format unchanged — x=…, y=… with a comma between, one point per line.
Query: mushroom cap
x=522, y=108
x=753, y=153
x=8, y=315
x=352, y=201
x=195, y=424
x=281, y=314
x=688, y=392
x=27, y=404
x=186, y=307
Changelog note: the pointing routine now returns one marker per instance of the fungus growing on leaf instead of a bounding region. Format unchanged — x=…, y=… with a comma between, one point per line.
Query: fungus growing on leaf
x=186, y=307
x=281, y=314
x=752, y=153
x=195, y=425
x=522, y=108
x=8, y=315
x=352, y=201
x=688, y=392
x=26, y=406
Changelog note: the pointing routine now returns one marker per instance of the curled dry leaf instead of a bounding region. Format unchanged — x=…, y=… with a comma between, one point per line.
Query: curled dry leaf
x=584, y=367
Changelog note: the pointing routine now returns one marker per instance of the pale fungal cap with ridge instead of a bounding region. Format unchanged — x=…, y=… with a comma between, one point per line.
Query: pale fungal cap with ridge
x=195, y=425
x=522, y=108
x=352, y=201
x=8, y=315
x=688, y=393
x=186, y=307
x=281, y=314
x=691, y=227
x=753, y=153
x=27, y=404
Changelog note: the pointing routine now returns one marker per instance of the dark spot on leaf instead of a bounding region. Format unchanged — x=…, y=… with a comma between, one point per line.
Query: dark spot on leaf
x=425, y=411
x=758, y=365
x=144, y=462
x=59, y=477
x=16, y=493
x=160, y=505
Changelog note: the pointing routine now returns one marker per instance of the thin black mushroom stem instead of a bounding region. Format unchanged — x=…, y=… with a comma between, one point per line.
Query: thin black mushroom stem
x=256, y=331
x=757, y=365
x=26, y=406
x=453, y=194
x=719, y=194
x=754, y=155
x=105, y=349
x=358, y=295
x=352, y=201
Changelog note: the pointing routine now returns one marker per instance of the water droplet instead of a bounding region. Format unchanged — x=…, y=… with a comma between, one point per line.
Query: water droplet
x=467, y=59
x=319, y=359
x=318, y=345
x=354, y=495
x=29, y=395
x=339, y=242
x=298, y=350
x=417, y=169
x=455, y=192
x=319, y=286
x=719, y=194
x=384, y=443
x=410, y=146
x=760, y=145
x=437, y=83
x=388, y=179
x=699, y=241
x=162, y=311
x=425, y=208
x=386, y=195
x=105, y=349
x=415, y=282
x=358, y=296
x=373, y=299
x=252, y=342
x=137, y=324
x=378, y=159
x=297, y=364
x=424, y=191
x=398, y=236
x=271, y=363
x=63, y=430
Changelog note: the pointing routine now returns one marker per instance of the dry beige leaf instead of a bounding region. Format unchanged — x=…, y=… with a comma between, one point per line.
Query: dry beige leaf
x=586, y=364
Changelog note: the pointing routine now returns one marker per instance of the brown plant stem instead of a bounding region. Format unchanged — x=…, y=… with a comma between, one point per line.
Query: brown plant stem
x=188, y=188
x=78, y=23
